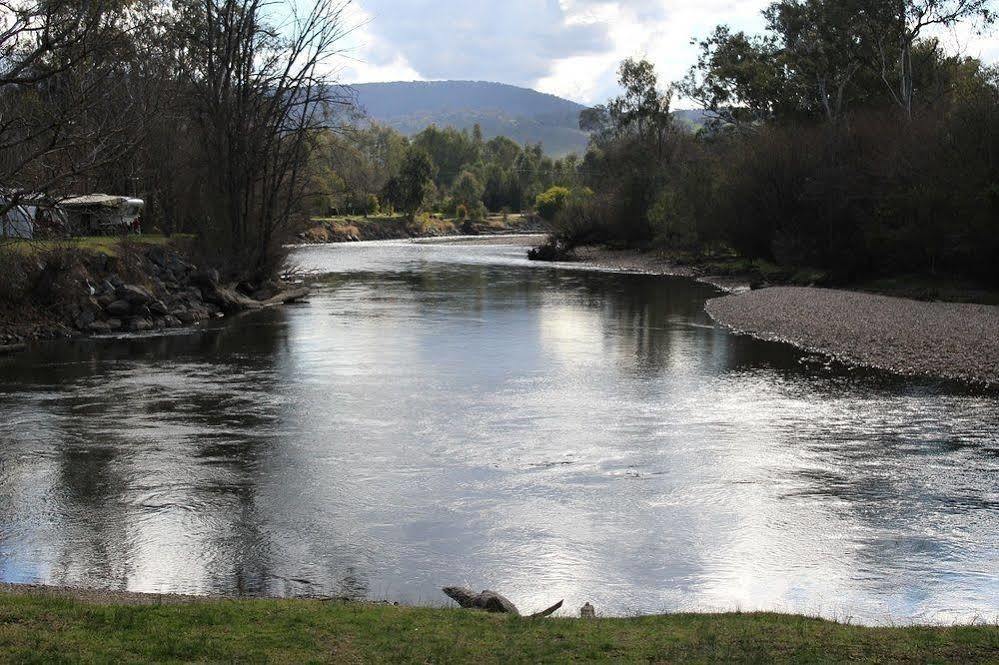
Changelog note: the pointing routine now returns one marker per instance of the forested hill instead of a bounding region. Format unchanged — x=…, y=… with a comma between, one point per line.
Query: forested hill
x=524, y=115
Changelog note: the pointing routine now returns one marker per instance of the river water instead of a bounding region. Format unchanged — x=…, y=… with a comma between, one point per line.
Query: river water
x=442, y=414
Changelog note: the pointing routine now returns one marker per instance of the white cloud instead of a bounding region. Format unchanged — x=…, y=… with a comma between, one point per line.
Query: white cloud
x=663, y=36
x=571, y=48
x=366, y=57
x=514, y=41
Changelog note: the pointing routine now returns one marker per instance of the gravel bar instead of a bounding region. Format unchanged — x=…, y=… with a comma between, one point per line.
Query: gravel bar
x=909, y=337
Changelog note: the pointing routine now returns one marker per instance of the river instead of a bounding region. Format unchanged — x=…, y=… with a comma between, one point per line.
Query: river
x=447, y=413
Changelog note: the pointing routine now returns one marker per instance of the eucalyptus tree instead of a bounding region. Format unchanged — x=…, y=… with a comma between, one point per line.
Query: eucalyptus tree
x=818, y=57
x=896, y=28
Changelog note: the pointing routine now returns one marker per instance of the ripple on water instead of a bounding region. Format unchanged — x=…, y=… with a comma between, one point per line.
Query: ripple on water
x=439, y=415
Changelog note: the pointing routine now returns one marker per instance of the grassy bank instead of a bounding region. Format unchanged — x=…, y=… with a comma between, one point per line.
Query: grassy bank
x=104, y=244
x=35, y=628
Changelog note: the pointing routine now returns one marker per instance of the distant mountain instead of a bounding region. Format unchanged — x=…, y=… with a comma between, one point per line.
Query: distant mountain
x=524, y=115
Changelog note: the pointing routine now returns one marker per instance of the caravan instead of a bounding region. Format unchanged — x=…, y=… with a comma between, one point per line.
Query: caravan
x=102, y=214
x=16, y=221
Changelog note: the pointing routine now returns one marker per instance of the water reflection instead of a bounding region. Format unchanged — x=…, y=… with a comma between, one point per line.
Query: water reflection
x=448, y=414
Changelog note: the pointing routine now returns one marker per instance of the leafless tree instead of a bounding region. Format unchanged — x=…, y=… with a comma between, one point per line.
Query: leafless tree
x=61, y=114
x=260, y=88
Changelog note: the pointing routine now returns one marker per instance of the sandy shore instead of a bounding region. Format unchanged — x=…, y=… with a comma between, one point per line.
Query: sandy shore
x=909, y=337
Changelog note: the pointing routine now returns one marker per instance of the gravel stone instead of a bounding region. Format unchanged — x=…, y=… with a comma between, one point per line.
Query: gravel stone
x=909, y=337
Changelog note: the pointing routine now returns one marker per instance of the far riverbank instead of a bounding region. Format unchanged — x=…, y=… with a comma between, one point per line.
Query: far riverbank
x=356, y=228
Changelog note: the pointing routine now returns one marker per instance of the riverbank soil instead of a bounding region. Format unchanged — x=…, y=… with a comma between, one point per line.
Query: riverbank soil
x=354, y=228
x=42, y=628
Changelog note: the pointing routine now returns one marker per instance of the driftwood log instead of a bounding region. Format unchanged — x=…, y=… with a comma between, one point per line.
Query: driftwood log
x=490, y=601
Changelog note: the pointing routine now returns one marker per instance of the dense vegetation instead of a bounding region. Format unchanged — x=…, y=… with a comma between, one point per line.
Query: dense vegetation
x=844, y=138
x=370, y=169
x=34, y=629
x=208, y=110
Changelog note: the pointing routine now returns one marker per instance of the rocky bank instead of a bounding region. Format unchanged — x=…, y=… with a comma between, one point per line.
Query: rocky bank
x=79, y=293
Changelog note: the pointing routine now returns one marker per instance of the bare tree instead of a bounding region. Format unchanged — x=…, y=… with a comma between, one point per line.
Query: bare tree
x=59, y=115
x=260, y=90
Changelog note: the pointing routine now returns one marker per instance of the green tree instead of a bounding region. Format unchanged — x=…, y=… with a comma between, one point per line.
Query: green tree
x=450, y=150
x=467, y=190
x=415, y=181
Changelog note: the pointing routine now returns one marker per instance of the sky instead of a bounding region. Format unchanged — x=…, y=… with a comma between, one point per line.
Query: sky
x=570, y=48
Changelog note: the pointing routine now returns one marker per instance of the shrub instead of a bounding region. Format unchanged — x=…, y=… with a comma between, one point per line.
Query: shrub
x=18, y=274
x=550, y=202
x=371, y=207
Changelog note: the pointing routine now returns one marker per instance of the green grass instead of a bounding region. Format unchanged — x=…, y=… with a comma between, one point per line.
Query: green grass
x=106, y=244
x=44, y=629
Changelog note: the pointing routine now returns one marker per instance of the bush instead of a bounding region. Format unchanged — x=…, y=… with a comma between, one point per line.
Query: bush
x=18, y=274
x=586, y=221
x=549, y=203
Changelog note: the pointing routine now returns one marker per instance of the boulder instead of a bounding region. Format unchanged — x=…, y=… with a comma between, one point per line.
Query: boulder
x=119, y=308
x=136, y=295
x=100, y=327
x=171, y=321
x=206, y=278
x=86, y=317
x=157, y=255
x=178, y=265
x=139, y=324
x=157, y=307
x=114, y=324
x=193, y=315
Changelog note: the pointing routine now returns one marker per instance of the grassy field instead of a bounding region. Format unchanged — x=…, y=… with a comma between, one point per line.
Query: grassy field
x=106, y=244
x=44, y=629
